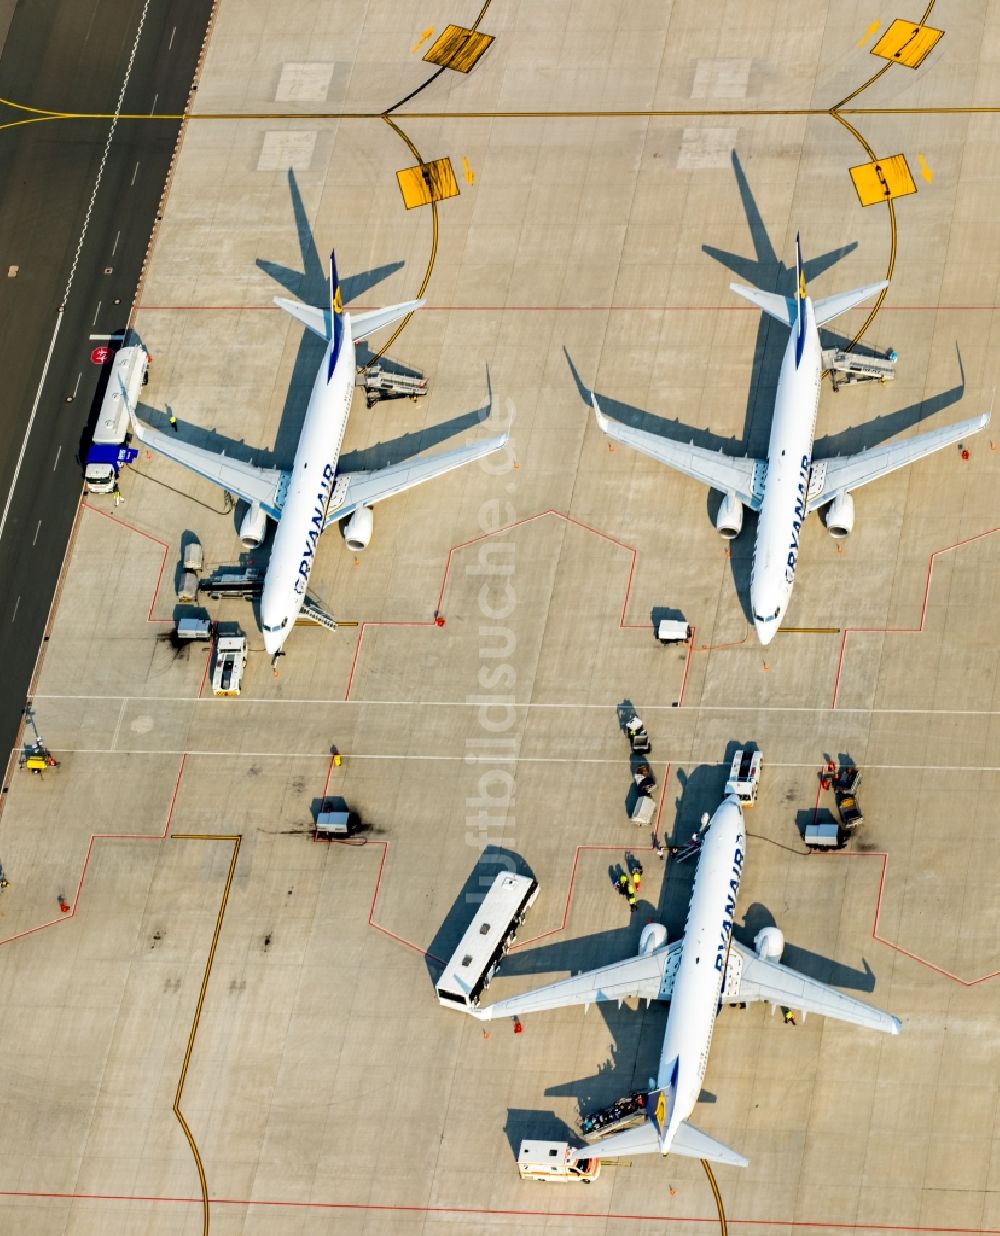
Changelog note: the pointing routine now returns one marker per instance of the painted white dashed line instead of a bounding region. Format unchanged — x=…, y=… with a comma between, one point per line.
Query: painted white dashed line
x=135, y=172
x=34, y=541
x=58, y=453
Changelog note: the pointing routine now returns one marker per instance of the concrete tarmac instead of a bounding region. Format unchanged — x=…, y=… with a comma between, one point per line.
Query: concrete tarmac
x=211, y=1019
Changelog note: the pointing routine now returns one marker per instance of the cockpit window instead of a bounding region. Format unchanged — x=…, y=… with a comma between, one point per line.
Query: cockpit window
x=279, y=627
x=768, y=617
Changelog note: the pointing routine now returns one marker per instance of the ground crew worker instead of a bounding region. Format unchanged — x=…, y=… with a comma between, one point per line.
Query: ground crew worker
x=631, y=897
x=789, y=1018
x=117, y=493
x=623, y=883
x=173, y=422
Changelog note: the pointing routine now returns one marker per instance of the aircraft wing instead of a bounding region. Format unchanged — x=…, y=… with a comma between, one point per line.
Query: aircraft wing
x=780, y=985
x=649, y=978
x=356, y=489
x=727, y=473
x=846, y=472
x=265, y=486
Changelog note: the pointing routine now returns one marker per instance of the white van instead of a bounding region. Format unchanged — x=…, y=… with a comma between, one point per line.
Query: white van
x=551, y=1161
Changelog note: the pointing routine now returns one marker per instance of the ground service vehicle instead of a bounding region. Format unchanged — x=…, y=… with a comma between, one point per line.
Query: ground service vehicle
x=744, y=776
x=488, y=937
x=109, y=450
x=230, y=661
x=673, y=631
x=551, y=1161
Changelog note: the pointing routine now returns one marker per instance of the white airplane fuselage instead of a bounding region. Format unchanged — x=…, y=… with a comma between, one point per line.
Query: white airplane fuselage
x=789, y=459
x=308, y=496
x=694, y=1002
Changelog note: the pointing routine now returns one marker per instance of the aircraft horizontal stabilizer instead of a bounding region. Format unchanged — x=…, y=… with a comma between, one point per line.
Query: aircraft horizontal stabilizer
x=780, y=307
x=831, y=307
x=694, y=1144
x=641, y=1140
x=365, y=324
x=316, y=320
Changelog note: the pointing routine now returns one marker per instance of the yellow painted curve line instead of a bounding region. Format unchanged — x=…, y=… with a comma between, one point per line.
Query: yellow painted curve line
x=433, y=254
x=836, y=113
x=235, y=840
x=717, y=1195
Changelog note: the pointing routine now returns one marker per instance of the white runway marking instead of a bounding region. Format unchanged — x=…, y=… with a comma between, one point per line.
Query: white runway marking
x=58, y=453
x=683, y=761
x=816, y=710
x=37, y=530
x=121, y=715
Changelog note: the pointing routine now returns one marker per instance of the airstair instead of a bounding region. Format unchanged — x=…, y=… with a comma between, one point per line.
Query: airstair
x=847, y=368
x=313, y=612
x=382, y=383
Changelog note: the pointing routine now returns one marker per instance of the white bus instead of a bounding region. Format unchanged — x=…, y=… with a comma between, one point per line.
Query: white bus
x=488, y=937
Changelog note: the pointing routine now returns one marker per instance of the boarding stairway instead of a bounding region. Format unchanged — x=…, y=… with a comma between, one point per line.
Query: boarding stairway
x=381, y=383
x=313, y=612
x=847, y=368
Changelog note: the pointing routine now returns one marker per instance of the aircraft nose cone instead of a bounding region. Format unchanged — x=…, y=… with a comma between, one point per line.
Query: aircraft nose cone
x=766, y=631
x=272, y=642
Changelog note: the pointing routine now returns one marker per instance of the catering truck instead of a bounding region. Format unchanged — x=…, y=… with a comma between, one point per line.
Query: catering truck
x=109, y=450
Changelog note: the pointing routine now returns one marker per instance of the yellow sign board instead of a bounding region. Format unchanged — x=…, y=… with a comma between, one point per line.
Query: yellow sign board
x=884, y=179
x=427, y=182
x=457, y=48
x=907, y=43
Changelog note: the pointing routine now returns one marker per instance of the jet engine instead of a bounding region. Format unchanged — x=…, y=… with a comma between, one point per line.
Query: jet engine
x=840, y=516
x=769, y=944
x=358, y=532
x=729, y=521
x=654, y=936
x=253, y=529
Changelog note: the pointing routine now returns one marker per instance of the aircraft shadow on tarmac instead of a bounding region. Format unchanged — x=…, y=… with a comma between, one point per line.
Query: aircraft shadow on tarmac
x=765, y=270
